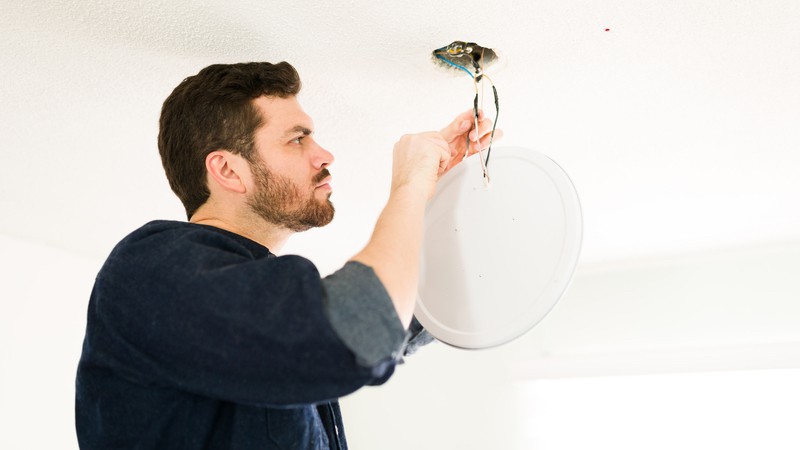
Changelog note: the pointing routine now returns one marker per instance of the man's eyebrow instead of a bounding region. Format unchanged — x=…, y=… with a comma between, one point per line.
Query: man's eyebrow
x=298, y=129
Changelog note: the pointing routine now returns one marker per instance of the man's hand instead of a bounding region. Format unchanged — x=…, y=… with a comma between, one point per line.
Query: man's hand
x=419, y=160
x=455, y=134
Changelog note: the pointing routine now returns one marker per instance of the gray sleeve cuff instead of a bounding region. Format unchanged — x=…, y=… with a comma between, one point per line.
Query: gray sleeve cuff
x=362, y=314
x=418, y=337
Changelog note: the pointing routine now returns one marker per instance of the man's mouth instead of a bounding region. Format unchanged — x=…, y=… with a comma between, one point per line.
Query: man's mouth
x=322, y=179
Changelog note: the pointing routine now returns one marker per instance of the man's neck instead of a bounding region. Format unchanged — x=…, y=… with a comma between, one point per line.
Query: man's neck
x=267, y=234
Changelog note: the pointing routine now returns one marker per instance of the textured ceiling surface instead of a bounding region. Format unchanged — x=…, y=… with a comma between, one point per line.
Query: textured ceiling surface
x=677, y=121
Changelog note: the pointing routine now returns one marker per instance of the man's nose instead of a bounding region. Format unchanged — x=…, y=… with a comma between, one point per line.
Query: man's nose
x=322, y=158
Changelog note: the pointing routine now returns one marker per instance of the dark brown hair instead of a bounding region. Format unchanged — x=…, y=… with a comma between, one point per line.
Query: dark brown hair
x=214, y=110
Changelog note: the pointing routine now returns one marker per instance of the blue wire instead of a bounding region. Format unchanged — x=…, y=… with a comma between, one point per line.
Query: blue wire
x=457, y=66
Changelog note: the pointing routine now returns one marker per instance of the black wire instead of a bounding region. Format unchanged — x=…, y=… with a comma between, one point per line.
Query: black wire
x=494, y=126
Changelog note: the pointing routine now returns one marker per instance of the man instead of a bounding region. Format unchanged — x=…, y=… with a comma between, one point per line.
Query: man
x=198, y=335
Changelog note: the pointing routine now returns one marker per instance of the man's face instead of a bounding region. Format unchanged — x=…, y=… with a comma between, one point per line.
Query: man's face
x=290, y=169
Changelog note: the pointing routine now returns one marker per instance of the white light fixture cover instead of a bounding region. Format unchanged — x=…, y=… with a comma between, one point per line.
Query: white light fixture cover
x=496, y=259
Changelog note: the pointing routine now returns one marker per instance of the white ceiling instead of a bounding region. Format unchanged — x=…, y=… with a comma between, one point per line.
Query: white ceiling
x=680, y=126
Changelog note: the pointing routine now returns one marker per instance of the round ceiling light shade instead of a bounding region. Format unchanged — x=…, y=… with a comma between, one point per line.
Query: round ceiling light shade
x=496, y=259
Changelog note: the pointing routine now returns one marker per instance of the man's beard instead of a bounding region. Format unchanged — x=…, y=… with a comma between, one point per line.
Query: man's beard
x=279, y=201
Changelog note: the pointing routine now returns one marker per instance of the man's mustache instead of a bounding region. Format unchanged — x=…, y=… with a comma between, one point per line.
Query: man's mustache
x=321, y=176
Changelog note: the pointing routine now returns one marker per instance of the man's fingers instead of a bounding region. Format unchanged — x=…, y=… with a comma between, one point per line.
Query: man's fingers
x=445, y=156
x=483, y=144
x=461, y=124
x=484, y=128
x=444, y=162
x=456, y=128
x=469, y=115
x=498, y=134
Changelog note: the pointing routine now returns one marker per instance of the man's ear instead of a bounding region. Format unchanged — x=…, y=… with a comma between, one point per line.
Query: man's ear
x=229, y=171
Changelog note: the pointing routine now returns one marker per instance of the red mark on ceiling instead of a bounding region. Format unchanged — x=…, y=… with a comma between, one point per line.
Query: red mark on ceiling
x=608, y=29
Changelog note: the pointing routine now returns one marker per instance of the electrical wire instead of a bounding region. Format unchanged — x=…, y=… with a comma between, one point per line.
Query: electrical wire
x=478, y=77
x=485, y=162
x=456, y=65
x=496, y=116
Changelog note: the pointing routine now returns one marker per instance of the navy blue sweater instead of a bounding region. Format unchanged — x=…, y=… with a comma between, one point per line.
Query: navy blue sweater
x=198, y=338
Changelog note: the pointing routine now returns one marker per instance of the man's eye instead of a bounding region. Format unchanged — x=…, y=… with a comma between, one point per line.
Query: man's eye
x=297, y=140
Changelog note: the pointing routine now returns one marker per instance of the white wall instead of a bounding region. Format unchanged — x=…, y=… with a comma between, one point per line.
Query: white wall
x=736, y=308
x=738, y=410
x=731, y=309
x=45, y=292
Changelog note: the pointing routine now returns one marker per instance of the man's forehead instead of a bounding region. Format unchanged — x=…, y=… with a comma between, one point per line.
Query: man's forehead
x=284, y=115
